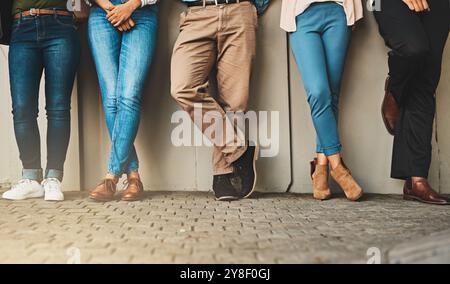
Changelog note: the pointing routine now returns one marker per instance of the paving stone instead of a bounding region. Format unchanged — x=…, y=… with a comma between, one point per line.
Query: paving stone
x=190, y=227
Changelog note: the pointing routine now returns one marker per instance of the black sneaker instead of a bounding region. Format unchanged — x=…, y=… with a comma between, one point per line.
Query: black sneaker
x=224, y=187
x=245, y=168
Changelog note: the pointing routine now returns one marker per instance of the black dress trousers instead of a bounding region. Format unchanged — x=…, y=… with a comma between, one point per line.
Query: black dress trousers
x=417, y=42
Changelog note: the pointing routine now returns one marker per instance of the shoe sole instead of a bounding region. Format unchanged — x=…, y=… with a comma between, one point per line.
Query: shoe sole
x=25, y=198
x=414, y=198
x=357, y=198
x=53, y=199
x=255, y=158
x=131, y=199
x=322, y=199
x=227, y=198
x=100, y=199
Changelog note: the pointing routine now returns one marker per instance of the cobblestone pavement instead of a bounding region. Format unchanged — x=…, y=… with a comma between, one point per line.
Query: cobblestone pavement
x=177, y=227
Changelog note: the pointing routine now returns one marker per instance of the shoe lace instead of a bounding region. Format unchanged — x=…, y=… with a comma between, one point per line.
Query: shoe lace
x=52, y=184
x=125, y=184
x=20, y=184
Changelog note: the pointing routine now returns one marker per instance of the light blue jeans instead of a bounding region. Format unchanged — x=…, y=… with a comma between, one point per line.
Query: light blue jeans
x=320, y=47
x=123, y=62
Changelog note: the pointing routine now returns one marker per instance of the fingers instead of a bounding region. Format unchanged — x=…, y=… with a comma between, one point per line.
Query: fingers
x=425, y=5
x=417, y=5
x=126, y=26
x=109, y=7
x=115, y=19
x=131, y=22
x=410, y=4
x=120, y=18
x=117, y=16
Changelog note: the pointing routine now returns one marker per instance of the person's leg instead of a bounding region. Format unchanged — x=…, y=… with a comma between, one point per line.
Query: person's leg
x=403, y=32
x=320, y=45
x=236, y=53
x=24, y=84
x=336, y=38
x=309, y=52
x=412, y=142
x=194, y=55
x=136, y=54
x=104, y=41
x=307, y=46
x=61, y=53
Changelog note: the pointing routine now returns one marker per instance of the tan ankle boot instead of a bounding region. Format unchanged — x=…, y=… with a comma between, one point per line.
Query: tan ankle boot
x=344, y=178
x=319, y=176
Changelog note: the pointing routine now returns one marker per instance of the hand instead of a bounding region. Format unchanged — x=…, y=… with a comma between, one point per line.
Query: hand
x=417, y=5
x=121, y=13
x=105, y=5
x=126, y=26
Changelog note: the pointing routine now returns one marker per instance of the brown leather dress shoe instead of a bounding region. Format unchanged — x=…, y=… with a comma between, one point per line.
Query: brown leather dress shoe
x=319, y=176
x=134, y=190
x=389, y=110
x=420, y=190
x=104, y=191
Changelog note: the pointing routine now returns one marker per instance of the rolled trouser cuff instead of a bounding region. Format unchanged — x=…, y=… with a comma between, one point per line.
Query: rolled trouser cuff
x=58, y=174
x=329, y=151
x=32, y=174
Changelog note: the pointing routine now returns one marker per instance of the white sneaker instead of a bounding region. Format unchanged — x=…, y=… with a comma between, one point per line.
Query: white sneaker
x=24, y=189
x=52, y=187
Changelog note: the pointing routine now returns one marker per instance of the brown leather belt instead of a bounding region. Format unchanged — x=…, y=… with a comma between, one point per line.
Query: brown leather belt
x=214, y=2
x=38, y=12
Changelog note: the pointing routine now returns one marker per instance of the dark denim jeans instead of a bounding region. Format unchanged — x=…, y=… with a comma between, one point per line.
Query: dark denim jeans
x=123, y=62
x=40, y=44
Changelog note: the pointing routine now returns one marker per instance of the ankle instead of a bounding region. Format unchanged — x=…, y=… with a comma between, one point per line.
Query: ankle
x=418, y=179
x=112, y=177
x=336, y=165
x=133, y=175
x=335, y=161
x=321, y=160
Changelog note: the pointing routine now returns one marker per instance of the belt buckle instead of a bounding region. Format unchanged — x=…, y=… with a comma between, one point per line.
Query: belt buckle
x=33, y=12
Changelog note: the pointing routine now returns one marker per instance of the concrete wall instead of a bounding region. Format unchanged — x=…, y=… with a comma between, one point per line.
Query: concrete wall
x=276, y=86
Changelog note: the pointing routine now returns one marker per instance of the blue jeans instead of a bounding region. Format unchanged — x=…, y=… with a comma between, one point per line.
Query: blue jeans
x=123, y=62
x=51, y=44
x=320, y=47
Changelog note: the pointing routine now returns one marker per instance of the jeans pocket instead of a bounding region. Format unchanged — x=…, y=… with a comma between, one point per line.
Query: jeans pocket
x=16, y=25
x=66, y=21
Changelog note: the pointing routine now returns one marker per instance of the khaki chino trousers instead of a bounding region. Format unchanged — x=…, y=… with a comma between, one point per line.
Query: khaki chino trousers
x=221, y=37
